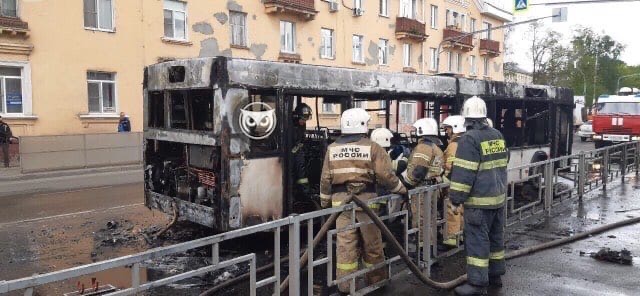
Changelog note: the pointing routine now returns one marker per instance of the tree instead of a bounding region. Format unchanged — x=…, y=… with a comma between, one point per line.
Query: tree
x=549, y=57
x=597, y=56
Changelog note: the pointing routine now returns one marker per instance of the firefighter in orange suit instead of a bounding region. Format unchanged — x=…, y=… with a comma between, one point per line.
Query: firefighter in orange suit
x=356, y=165
x=425, y=163
x=454, y=128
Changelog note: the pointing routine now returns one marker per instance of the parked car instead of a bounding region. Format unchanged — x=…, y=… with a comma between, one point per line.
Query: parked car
x=586, y=131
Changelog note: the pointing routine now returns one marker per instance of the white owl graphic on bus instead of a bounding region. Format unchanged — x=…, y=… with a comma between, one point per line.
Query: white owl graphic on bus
x=257, y=120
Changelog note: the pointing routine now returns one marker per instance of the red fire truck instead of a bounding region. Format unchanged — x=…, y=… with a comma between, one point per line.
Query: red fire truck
x=616, y=118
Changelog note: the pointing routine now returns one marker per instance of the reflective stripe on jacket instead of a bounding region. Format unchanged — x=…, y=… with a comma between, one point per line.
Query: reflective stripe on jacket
x=425, y=163
x=479, y=173
x=356, y=159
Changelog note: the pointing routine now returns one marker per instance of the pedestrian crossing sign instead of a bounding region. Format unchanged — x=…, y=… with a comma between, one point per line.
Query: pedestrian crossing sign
x=521, y=5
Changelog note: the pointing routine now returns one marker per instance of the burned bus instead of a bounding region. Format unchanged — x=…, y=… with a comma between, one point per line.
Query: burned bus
x=219, y=131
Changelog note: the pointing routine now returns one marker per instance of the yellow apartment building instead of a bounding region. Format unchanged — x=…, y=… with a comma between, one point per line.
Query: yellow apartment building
x=70, y=66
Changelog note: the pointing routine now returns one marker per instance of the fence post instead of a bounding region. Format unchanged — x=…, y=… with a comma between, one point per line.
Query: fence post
x=623, y=163
x=582, y=174
x=605, y=168
x=548, y=186
x=294, y=256
x=637, y=157
x=426, y=231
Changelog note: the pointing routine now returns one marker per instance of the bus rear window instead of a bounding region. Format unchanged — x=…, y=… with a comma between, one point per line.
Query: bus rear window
x=618, y=108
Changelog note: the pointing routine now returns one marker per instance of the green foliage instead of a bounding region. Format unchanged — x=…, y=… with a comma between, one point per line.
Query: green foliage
x=590, y=63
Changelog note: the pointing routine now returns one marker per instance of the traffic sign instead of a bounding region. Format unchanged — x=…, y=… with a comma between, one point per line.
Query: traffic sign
x=520, y=5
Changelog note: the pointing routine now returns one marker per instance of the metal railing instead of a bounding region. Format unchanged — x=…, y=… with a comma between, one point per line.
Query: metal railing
x=539, y=188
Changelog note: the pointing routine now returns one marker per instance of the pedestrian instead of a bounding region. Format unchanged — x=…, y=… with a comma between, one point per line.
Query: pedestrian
x=5, y=140
x=454, y=128
x=355, y=165
x=124, y=125
x=479, y=181
x=425, y=165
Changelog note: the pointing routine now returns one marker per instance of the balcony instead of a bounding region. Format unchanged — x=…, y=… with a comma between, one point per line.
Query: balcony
x=410, y=29
x=302, y=8
x=456, y=41
x=13, y=26
x=489, y=47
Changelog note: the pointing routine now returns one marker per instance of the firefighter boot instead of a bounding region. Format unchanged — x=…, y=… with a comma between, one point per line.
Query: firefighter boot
x=469, y=289
x=495, y=281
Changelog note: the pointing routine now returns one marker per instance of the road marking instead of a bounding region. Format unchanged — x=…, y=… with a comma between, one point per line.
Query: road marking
x=72, y=191
x=67, y=215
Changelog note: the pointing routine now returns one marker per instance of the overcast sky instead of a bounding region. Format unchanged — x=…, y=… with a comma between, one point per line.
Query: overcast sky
x=619, y=20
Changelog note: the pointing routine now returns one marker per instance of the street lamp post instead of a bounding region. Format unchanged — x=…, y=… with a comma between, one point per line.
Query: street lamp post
x=625, y=76
x=584, y=78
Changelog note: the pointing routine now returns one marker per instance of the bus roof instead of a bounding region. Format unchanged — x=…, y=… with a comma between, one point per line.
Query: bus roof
x=619, y=99
x=245, y=73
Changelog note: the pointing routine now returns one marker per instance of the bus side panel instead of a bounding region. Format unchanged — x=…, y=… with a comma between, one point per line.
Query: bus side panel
x=522, y=156
x=259, y=191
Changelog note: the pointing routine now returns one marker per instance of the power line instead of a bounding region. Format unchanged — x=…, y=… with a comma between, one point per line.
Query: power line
x=581, y=2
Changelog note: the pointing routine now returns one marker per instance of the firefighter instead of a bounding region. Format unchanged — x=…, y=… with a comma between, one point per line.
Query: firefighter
x=384, y=137
x=425, y=165
x=479, y=181
x=301, y=115
x=356, y=165
x=454, y=128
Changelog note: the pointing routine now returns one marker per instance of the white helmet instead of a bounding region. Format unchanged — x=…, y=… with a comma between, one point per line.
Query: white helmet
x=456, y=122
x=474, y=107
x=354, y=121
x=426, y=127
x=490, y=122
x=625, y=91
x=382, y=136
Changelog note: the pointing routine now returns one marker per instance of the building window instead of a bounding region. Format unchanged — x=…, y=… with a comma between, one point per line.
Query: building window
x=408, y=8
x=406, y=53
x=472, y=25
x=383, y=52
x=175, y=19
x=287, y=37
x=360, y=104
x=459, y=62
x=434, y=17
x=472, y=65
x=9, y=8
x=383, y=106
x=407, y=112
x=487, y=33
x=485, y=63
x=98, y=14
x=450, y=61
x=326, y=48
x=238, y=21
x=433, y=53
x=357, y=4
x=11, y=90
x=328, y=108
x=384, y=7
x=358, y=54
x=463, y=23
x=101, y=87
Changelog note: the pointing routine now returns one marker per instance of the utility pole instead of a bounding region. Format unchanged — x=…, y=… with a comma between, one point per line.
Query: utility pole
x=584, y=79
x=595, y=76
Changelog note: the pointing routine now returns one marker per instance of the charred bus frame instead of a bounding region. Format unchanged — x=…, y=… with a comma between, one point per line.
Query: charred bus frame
x=200, y=165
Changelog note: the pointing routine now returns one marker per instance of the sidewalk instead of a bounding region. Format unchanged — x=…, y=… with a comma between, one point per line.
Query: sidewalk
x=562, y=270
x=13, y=182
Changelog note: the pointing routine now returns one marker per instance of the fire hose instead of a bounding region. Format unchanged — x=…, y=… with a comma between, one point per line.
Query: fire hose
x=415, y=269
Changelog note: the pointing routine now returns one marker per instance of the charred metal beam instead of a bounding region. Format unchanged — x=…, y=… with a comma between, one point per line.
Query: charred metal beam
x=187, y=137
x=200, y=214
